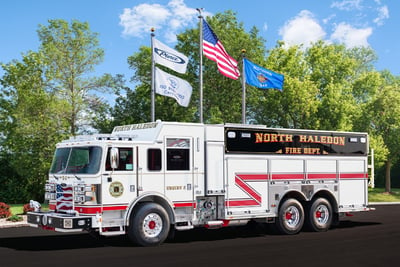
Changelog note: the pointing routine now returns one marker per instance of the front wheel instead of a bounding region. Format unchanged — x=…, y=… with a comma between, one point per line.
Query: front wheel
x=149, y=225
x=290, y=218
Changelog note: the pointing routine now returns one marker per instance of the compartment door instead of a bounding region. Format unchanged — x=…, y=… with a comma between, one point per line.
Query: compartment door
x=247, y=192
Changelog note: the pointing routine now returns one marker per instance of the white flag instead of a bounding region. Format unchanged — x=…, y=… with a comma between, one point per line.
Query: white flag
x=172, y=86
x=169, y=57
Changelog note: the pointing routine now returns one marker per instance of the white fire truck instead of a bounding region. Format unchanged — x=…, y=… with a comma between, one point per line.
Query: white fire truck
x=145, y=180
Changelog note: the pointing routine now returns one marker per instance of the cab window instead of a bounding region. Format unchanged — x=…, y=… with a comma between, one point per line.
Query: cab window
x=125, y=159
x=154, y=159
x=178, y=154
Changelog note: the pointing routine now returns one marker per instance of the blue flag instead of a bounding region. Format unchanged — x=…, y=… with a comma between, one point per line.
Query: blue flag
x=260, y=77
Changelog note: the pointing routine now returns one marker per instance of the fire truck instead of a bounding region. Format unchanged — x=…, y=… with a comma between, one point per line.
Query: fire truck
x=146, y=180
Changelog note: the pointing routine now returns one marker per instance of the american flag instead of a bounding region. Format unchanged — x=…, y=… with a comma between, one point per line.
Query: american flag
x=64, y=197
x=214, y=50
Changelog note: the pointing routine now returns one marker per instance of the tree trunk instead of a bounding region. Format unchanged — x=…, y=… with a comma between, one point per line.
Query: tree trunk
x=388, y=166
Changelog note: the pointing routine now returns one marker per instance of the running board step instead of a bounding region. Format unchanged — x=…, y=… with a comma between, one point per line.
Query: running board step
x=112, y=233
x=214, y=224
x=184, y=227
x=181, y=226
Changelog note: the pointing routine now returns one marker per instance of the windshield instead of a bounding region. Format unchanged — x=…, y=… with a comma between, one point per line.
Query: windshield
x=76, y=160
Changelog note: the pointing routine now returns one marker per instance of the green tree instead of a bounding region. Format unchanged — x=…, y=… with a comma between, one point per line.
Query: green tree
x=31, y=122
x=326, y=87
x=71, y=51
x=47, y=96
x=221, y=95
x=384, y=117
x=297, y=105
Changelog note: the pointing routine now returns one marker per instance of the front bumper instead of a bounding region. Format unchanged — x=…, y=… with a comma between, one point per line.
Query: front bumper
x=59, y=221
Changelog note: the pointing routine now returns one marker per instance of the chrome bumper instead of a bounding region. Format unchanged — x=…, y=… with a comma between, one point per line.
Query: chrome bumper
x=59, y=221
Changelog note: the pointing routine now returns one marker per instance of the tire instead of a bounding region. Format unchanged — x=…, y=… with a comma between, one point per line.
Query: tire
x=319, y=215
x=149, y=225
x=290, y=218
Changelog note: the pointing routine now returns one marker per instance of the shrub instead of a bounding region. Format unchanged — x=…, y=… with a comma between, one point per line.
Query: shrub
x=4, y=210
x=27, y=208
x=15, y=218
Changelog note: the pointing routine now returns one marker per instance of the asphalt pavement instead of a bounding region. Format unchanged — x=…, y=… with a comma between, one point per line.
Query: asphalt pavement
x=365, y=239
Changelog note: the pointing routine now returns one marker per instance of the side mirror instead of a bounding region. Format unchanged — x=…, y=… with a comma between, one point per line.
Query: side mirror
x=114, y=158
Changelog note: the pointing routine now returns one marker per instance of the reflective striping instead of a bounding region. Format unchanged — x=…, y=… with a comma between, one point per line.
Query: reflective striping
x=314, y=176
x=184, y=204
x=99, y=209
x=353, y=175
x=253, y=177
x=321, y=176
x=243, y=181
x=242, y=203
x=287, y=176
x=239, y=181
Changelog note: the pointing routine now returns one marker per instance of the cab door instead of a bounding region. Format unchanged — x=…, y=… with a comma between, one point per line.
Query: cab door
x=179, y=171
x=119, y=182
x=150, y=169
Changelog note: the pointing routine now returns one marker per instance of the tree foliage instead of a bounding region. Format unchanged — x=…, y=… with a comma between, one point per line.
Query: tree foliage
x=222, y=96
x=327, y=86
x=50, y=94
x=384, y=115
x=44, y=98
x=32, y=121
x=70, y=52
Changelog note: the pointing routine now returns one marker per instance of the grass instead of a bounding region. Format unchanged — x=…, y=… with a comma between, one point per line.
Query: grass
x=18, y=209
x=374, y=195
x=379, y=195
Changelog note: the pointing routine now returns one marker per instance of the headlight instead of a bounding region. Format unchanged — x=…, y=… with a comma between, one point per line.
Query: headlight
x=49, y=196
x=81, y=189
x=84, y=193
x=79, y=198
x=50, y=187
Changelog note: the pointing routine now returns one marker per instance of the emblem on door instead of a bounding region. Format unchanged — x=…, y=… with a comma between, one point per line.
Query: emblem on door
x=116, y=189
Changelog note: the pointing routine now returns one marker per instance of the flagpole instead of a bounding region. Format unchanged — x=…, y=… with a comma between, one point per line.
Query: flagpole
x=153, y=108
x=243, y=88
x=201, y=66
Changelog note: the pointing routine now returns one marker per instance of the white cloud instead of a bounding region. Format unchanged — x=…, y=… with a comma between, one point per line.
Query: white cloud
x=302, y=29
x=364, y=10
x=347, y=5
x=141, y=18
x=265, y=27
x=328, y=19
x=305, y=29
x=350, y=36
x=181, y=13
x=182, y=16
x=172, y=18
x=383, y=13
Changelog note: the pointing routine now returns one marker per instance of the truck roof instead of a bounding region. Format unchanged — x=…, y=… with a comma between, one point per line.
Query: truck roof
x=150, y=131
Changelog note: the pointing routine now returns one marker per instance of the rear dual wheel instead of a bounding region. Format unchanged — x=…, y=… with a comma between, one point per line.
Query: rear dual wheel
x=320, y=215
x=290, y=219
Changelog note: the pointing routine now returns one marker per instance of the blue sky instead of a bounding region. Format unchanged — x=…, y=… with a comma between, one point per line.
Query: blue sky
x=124, y=25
